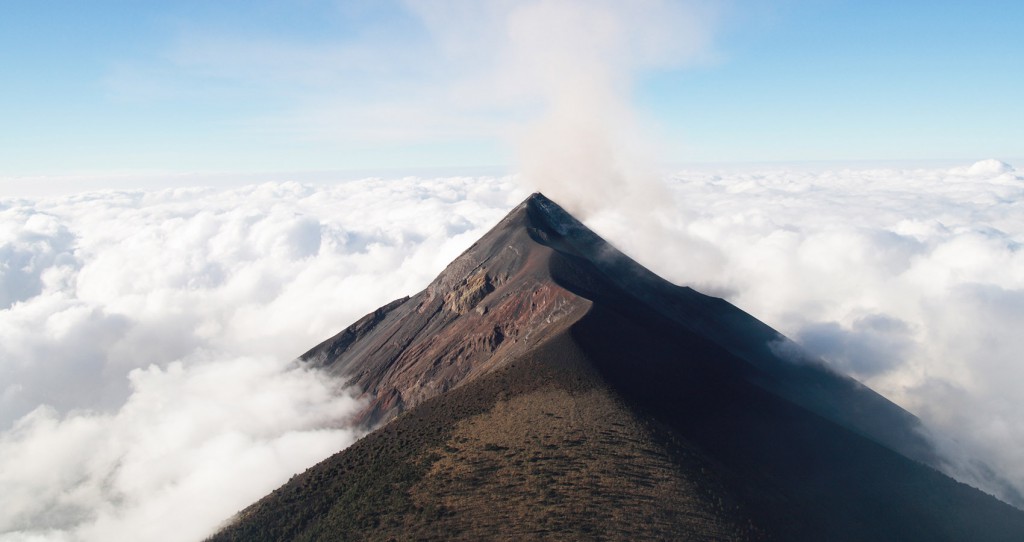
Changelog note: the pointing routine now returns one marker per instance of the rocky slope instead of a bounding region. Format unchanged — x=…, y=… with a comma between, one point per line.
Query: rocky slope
x=547, y=386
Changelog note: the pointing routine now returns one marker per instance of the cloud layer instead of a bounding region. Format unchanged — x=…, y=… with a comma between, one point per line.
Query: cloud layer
x=145, y=335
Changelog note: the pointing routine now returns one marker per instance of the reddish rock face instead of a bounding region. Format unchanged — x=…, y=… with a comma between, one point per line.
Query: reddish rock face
x=495, y=301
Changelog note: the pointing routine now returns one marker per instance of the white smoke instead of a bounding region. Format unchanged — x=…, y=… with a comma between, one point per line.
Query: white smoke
x=568, y=68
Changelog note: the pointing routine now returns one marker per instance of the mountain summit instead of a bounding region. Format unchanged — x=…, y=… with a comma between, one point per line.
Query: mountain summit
x=546, y=386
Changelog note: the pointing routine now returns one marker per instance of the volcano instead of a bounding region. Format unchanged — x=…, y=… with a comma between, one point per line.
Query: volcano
x=546, y=386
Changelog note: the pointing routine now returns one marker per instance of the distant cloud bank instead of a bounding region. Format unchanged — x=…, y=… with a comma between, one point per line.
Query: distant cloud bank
x=145, y=335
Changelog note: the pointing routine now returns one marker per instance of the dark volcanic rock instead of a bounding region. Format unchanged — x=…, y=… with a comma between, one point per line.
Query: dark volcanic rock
x=551, y=387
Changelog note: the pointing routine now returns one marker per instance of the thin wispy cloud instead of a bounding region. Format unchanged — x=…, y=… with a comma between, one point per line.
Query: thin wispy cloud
x=435, y=71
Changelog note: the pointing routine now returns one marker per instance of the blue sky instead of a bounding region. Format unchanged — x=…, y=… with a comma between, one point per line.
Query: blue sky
x=253, y=87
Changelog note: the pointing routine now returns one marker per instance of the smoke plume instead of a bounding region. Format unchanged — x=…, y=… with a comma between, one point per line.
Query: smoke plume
x=566, y=69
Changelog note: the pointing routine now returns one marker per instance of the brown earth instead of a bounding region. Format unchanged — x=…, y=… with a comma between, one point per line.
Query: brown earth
x=540, y=449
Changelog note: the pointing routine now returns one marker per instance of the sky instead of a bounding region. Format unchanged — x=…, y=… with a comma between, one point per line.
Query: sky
x=194, y=193
x=216, y=88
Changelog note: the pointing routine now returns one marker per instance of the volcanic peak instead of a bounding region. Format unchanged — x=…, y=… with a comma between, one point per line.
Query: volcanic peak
x=545, y=385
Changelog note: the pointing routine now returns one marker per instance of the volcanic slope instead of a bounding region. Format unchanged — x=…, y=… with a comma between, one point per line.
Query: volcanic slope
x=546, y=386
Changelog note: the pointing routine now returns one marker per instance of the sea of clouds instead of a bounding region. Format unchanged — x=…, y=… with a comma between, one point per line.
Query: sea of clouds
x=147, y=388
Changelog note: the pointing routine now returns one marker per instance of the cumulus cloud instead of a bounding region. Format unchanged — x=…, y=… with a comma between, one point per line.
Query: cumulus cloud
x=145, y=339
x=32, y=245
x=195, y=442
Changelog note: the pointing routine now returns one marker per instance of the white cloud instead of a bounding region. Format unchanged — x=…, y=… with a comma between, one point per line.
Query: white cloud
x=195, y=442
x=142, y=370
x=143, y=349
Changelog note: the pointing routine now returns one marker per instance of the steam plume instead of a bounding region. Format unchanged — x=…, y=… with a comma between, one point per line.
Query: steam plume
x=566, y=68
